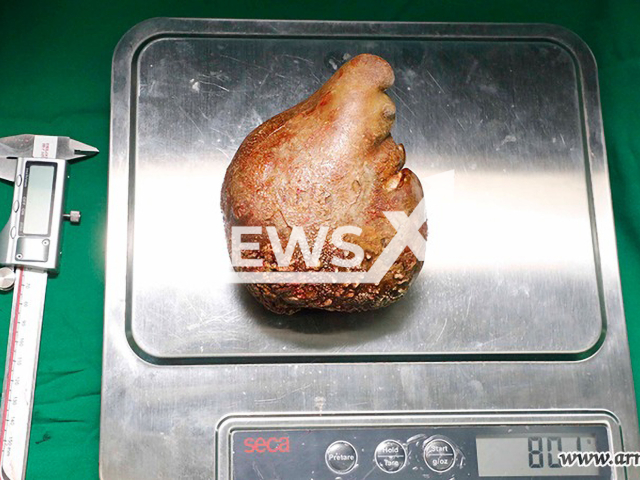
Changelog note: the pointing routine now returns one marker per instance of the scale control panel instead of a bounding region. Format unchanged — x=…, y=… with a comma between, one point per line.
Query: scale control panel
x=485, y=452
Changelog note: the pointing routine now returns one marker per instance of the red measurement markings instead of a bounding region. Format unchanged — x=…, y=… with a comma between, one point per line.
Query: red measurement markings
x=10, y=366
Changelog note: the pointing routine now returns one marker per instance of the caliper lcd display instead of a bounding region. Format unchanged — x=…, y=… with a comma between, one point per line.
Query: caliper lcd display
x=38, y=198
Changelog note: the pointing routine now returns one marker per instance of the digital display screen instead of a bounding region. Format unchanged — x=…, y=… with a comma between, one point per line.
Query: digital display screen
x=37, y=202
x=534, y=455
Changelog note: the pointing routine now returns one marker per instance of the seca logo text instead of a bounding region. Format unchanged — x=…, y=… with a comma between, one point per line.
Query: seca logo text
x=263, y=445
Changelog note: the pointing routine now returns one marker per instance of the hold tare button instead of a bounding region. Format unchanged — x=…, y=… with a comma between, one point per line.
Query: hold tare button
x=341, y=457
x=390, y=456
x=439, y=455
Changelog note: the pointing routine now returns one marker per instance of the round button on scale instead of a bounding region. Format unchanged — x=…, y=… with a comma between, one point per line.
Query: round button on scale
x=390, y=456
x=341, y=457
x=439, y=455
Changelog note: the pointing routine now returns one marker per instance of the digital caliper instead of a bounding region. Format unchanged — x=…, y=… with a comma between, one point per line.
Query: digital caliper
x=29, y=250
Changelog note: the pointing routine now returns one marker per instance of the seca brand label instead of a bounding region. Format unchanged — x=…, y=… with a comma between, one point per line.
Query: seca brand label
x=263, y=445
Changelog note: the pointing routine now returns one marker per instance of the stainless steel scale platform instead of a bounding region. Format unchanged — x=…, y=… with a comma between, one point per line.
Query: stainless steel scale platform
x=514, y=328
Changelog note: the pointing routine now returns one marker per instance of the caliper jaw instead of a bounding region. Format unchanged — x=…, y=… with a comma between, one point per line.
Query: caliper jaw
x=21, y=146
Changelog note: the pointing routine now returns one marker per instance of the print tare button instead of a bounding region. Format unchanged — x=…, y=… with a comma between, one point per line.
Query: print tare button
x=341, y=457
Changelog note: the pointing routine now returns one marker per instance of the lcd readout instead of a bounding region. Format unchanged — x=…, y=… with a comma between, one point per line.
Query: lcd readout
x=37, y=205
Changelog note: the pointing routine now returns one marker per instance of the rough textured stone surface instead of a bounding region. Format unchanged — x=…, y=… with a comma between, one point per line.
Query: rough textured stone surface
x=328, y=161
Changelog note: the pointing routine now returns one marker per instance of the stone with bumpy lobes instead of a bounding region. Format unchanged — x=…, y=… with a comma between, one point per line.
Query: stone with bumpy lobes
x=328, y=161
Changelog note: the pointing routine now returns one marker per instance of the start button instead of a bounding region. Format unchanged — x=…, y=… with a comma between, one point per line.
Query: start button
x=439, y=455
x=341, y=457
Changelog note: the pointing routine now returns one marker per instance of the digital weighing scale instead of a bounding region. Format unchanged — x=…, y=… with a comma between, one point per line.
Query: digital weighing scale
x=511, y=345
